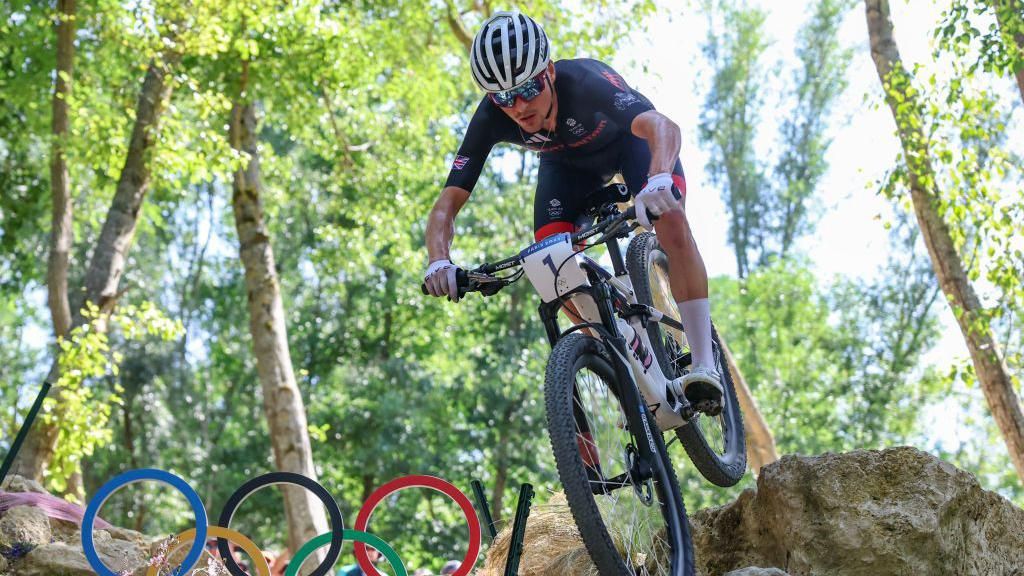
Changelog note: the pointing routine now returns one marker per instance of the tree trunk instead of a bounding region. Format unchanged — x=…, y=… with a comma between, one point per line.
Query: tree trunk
x=368, y=487
x=61, y=235
x=61, y=232
x=107, y=266
x=1010, y=15
x=108, y=260
x=282, y=403
x=129, y=446
x=761, y=449
x=989, y=364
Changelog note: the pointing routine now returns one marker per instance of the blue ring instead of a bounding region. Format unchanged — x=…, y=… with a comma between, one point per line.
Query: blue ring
x=130, y=477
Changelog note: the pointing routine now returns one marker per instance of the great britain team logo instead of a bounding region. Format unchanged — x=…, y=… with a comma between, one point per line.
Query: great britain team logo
x=575, y=127
x=555, y=208
x=460, y=162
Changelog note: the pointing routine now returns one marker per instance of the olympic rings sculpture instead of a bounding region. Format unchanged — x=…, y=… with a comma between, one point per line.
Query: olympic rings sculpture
x=224, y=534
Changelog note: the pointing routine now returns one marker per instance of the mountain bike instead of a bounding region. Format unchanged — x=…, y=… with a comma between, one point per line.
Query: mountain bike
x=607, y=395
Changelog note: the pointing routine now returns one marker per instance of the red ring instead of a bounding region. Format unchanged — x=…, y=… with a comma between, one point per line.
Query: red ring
x=420, y=481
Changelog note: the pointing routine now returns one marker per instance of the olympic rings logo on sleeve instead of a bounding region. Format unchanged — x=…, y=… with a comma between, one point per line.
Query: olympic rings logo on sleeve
x=224, y=534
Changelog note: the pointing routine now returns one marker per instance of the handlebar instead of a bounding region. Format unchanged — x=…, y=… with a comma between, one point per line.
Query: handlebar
x=480, y=279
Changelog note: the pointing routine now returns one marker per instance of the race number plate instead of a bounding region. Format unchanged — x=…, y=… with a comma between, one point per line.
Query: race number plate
x=553, y=267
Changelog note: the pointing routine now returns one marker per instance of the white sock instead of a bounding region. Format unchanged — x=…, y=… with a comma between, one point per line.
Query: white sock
x=696, y=318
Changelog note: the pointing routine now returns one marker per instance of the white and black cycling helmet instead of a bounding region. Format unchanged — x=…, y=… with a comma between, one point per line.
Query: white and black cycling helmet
x=509, y=49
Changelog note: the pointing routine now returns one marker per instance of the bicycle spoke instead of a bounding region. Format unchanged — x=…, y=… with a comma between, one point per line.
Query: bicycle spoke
x=635, y=527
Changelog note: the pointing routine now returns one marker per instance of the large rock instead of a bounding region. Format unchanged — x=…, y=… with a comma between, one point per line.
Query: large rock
x=551, y=545
x=36, y=544
x=3, y=565
x=877, y=513
x=68, y=559
x=755, y=571
x=56, y=559
x=17, y=483
x=23, y=528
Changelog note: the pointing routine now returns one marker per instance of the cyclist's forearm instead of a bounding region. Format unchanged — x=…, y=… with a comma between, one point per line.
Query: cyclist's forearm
x=441, y=222
x=663, y=138
x=440, y=233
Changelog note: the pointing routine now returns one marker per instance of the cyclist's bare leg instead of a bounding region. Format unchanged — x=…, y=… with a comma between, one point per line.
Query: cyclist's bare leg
x=688, y=280
x=687, y=276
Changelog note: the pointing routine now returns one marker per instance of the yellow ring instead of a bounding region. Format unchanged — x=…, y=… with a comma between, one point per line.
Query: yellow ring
x=254, y=552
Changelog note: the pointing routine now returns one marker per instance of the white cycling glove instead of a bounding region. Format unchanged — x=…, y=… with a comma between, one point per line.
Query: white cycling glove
x=656, y=197
x=440, y=279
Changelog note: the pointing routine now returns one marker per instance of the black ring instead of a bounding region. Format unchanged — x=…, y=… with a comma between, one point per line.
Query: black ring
x=337, y=525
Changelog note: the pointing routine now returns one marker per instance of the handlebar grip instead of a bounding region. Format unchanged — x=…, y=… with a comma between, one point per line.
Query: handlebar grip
x=461, y=282
x=651, y=217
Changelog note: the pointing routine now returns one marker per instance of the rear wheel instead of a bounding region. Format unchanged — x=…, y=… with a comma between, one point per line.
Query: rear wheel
x=629, y=513
x=715, y=444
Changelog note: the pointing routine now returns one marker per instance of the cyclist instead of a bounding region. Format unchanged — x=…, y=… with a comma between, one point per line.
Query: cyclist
x=587, y=125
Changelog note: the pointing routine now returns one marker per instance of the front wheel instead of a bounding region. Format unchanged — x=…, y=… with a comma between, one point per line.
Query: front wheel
x=716, y=444
x=630, y=516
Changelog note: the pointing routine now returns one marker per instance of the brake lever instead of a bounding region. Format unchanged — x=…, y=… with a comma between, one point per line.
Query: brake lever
x=486, y=284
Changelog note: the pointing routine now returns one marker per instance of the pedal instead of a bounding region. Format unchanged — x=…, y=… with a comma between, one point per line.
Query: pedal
x=701, y=392
x=678, y=403
x=709, y=407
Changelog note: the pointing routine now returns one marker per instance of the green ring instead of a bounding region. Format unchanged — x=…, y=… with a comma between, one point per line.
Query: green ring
x=354, y=535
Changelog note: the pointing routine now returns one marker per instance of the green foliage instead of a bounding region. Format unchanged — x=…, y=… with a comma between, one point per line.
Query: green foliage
x=882, y=328
x=86, y=357
x=832, y=369
x=957, y=151
x=730, y=118
x=988, y=34
x=361, y=108
x=359, y=105
x=27, y=57
x=818, y=83
x=767, y=216
x=19, y=358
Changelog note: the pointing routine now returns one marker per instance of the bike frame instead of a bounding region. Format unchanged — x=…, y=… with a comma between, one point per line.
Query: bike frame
x=627, y=307
x=605, y=291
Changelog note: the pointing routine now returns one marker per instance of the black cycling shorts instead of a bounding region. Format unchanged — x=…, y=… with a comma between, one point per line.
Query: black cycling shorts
x=565, y=191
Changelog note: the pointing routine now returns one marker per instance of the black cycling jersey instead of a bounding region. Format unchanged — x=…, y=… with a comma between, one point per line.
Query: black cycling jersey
x=592, y=142
x=595, y=108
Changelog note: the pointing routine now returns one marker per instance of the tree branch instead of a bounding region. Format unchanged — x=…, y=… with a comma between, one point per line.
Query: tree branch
x=457, y=26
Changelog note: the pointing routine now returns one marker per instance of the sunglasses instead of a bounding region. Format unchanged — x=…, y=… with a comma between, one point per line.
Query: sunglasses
x=533, y=88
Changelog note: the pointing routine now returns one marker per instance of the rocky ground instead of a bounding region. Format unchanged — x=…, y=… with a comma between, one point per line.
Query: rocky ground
x=898, y=512
x=879, y=513
x=33, y=544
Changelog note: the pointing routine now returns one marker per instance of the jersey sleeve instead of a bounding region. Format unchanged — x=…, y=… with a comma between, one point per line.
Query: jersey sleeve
x=613, y=96
x=476, y=146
